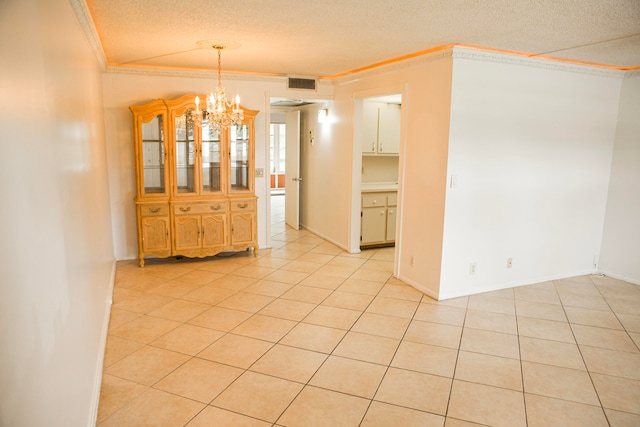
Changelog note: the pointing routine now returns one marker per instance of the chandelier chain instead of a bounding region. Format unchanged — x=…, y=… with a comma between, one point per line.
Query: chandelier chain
x=219, y=49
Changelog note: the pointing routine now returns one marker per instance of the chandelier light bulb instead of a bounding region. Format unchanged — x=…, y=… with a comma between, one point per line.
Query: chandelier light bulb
x=219, y=111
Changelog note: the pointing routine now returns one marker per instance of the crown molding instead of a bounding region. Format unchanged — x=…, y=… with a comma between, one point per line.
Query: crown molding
x=209, y=75
x=533, y=62
x=198, y=74
x=83, y=16
x=473, y=54
x=439, y=55
x=632, y=74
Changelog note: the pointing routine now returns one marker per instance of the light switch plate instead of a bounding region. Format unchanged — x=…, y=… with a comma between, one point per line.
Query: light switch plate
x=259, y=172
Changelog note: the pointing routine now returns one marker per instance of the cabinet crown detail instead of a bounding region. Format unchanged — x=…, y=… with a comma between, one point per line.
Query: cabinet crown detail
x=187, y=177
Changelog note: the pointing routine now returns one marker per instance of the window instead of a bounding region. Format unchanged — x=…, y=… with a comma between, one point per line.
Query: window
x=277, y=153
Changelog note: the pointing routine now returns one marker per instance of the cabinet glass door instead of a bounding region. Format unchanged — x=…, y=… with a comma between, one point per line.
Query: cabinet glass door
x=153, y=155
x=239, y=156
x=185, y=155
x=211, y=174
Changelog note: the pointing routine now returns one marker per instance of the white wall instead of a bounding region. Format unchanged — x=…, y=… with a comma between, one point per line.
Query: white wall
x=531, y=144
x=122, y=90
x=56, y=246
x=324, y=193
x=620, y=254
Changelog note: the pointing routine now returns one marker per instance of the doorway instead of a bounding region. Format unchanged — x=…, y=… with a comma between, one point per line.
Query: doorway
x=284, y=164
x=277, y=152
x=376, y=217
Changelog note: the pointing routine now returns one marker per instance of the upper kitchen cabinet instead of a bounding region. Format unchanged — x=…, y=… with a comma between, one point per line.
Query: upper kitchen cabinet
x=381, y=134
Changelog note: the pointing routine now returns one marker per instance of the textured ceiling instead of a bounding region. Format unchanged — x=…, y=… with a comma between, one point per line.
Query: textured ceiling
x=330, y=37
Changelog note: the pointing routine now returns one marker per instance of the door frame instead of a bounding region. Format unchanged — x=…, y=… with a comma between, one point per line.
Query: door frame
x=316, y=98
x=356, y=199
x=292, y=179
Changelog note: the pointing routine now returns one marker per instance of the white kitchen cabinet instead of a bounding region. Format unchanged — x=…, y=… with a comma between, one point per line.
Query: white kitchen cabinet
x=381, y=134
x=391, y=217
x=378, y=219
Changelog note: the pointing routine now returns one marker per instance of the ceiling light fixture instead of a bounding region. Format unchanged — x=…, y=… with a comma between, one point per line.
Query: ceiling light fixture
x=219, y=111
x=323, y=114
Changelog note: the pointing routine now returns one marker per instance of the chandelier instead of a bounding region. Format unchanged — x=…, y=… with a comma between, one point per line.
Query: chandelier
x=219, y=111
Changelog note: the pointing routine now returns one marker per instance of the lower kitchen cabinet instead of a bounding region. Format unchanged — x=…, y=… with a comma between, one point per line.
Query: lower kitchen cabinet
x=378, y=219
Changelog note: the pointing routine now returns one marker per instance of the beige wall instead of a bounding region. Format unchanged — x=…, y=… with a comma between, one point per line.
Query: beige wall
x=425, y=85
x=56, y=247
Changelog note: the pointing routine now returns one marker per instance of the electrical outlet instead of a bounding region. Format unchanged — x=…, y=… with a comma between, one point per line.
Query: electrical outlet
x=509, y=262
x=472, y=268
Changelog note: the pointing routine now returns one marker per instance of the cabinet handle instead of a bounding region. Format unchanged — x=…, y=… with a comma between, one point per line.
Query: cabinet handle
x=215, y=208
x=187, y=209
x=381, y=213
x=242, y=205
x=381, y=150
x=373, y=146
x=154, y=210
x=375, y=202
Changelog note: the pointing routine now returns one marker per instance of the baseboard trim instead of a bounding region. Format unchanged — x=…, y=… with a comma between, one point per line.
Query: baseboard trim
x=419, y=287
x=93, y=413
x=328, y=239
x=619, y=277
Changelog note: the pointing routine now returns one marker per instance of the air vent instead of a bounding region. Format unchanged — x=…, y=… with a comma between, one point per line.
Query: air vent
x=301, y=83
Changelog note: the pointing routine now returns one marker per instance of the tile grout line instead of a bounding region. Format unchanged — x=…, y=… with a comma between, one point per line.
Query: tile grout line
x=307, y=384
x=579, y=347
x=524, y=389
x=331, y=353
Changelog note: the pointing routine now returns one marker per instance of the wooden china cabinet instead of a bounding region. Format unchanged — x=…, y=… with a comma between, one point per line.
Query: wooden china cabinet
x=195, y=193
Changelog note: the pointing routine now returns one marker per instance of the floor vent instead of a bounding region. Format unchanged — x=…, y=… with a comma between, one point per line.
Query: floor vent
x=301, y=83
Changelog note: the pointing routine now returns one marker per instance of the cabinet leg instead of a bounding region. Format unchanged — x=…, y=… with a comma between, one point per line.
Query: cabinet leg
x=255, y=251
x=141, y=261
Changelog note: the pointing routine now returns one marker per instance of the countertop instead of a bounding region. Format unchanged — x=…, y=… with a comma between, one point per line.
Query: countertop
x=374, y=187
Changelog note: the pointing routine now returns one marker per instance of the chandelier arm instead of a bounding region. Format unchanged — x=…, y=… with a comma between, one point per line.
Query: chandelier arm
x=220, y=112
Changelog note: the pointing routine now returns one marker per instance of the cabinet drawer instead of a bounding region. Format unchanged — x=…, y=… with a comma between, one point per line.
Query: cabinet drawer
x=243, y=205
x=154, y=210
x=374, y=199
x=200, y=208
x=392, y=199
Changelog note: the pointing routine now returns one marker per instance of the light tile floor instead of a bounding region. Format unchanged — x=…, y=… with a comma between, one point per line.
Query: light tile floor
x=307, y=335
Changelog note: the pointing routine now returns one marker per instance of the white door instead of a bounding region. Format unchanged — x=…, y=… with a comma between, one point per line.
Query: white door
x=292, y=171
